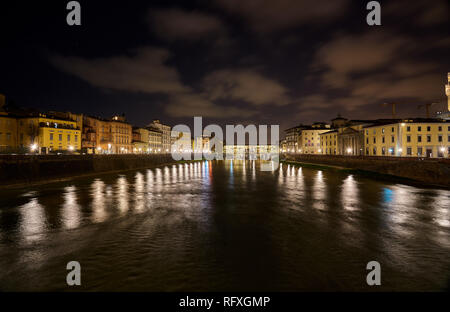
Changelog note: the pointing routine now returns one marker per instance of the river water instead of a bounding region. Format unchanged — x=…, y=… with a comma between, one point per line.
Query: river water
x=222, y=226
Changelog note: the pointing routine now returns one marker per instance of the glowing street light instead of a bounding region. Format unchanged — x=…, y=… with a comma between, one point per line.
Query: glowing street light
x=71, y=148
x=349, y=150
x=33, y=147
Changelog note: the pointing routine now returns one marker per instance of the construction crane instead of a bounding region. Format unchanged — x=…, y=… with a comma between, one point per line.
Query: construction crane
x=393, y=108
x=427, y=107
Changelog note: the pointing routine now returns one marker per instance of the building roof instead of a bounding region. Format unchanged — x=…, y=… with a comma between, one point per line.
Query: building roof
x=328, y=132
x=408, y=120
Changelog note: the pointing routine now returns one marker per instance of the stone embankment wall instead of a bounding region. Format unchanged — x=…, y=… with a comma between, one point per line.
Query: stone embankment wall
x=16, y=169
x=426, y=170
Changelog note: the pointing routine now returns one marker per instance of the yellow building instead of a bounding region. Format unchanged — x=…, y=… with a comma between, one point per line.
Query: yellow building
x=329, y=142
x=140, y=141
x=121, y=135
x=166, y=140
x=309, y=140
x=409, y=138
x=154, y=140
x=8, y=133
x=46, y=134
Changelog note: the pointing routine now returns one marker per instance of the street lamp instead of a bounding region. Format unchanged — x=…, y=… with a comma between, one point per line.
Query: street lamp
x=71, y=148
x=33, y=147
x=349, y=150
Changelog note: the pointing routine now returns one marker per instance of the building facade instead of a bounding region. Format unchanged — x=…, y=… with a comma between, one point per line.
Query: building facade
x=329, y=142
x=49, y=134
x=409, y=138
x=165, y=135
x=308, y=141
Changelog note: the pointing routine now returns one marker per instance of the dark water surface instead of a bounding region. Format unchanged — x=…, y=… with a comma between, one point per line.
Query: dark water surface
x=211, y=226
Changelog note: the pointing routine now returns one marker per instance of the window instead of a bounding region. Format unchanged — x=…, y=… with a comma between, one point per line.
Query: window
x=68, y=138
x=382, y=130
x=419, y=128
x=428, y=128
x=60, y=137
x=448, y=138
x=51, y=136
x=419, y=138
x=408, y=128
x=76, y=138
x=419, y=151
x=367, y=140
x=440, y=138
x=428, y=138
x=392, y=139
x=374, y=131
x=374, y=140
x=374, y=151
x=392, y=129
x=408, y=151
x=382, y=139
x=408, y=138
x=367, y=132
x=440, y=128
x=383, y=151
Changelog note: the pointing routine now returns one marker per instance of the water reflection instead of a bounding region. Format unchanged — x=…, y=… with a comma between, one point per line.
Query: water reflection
x=33, y=221
x=350, y=194
x=99, y=201
x=122, y=194
x=70, y=209
x=205, y=220
x=139, y=187
x=319, y=192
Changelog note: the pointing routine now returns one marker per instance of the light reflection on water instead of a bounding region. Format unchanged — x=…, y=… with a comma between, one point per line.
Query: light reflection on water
x=217, y=219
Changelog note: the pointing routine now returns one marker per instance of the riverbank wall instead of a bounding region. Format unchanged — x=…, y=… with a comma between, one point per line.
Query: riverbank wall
x=24, y=169
x=433, y=171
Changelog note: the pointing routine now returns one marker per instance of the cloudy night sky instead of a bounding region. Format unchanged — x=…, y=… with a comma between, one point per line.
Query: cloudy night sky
x=231, y=61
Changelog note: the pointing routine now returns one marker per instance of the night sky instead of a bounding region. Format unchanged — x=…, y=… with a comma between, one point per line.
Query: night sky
x=231, y=61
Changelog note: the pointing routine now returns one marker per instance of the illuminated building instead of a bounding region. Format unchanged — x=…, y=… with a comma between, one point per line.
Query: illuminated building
x=408, y=138
x=165, y=137
x=308, y=140
x=328, y=142
x=446, y=115
x=48, y=134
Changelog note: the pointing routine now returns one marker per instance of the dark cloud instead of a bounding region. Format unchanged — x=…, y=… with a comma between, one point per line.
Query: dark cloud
x=269, y=15
x=247, y=85
x=197, y=104
x=371, y=68
x=145, y=70
x=176, y=24
x=419, y=12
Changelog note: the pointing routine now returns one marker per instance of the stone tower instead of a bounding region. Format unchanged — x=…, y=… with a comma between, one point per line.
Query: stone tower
x=447, y=92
